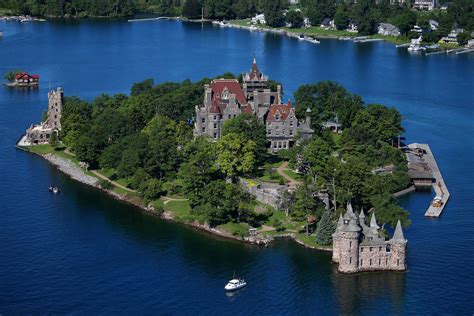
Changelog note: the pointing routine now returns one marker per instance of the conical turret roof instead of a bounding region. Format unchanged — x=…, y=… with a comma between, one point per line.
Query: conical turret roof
x=373, y=221
x=398, y=234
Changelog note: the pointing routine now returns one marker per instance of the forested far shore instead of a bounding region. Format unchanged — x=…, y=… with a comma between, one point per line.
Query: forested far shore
x=366, y=14
x=145, y=141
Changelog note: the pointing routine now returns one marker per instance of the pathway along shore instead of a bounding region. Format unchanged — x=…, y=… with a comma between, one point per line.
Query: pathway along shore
x=69, y=168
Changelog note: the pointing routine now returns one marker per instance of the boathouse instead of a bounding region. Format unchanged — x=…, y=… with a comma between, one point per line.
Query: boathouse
x=24, y=79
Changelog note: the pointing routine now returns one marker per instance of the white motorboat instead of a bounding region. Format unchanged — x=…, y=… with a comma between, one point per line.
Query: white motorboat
x=311, y=40
x=235, y=284
x=55, y=190
x=223, y=24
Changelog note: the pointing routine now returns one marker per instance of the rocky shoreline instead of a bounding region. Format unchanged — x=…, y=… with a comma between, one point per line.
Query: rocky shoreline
x=76, y=173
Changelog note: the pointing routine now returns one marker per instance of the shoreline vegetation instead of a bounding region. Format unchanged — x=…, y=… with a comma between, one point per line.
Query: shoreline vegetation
x=66, y=162
x=142, y=148
x=309, y=16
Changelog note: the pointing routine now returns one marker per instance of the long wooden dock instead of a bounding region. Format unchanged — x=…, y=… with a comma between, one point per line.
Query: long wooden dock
x=439, y=185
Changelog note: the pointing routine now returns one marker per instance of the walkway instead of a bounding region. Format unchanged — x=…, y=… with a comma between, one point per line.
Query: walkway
x=170, y=199
x=439, y=186
x=101, y=176
x=281, y=171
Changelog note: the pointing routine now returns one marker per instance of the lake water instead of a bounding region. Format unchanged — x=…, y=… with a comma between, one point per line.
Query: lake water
x=84, y=252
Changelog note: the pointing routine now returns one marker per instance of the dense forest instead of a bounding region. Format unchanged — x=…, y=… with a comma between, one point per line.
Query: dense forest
x=146, y=139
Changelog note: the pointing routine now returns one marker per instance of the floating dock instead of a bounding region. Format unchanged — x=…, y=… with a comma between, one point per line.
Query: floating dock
x=438, y=185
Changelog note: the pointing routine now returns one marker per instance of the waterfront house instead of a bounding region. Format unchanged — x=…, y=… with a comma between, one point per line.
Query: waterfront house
x=470, y=43
x=24, y=79
x=452, y=36
x=425, y=4
x=388, y=29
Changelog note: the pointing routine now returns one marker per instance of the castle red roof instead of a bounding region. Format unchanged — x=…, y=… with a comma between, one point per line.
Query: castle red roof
x=24, y=74
x=233, y=85
x=218, y=86
x=283, y=109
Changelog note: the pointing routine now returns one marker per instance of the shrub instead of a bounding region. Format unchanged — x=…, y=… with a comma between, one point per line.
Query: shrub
x=105, y=184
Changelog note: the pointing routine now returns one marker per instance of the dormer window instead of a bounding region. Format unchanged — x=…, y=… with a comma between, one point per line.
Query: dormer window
x=277, y=117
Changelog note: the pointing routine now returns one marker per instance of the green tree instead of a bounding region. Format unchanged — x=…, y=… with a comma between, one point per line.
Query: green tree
x=192, y=9
x=341, y=18
x=10, y=76
x=463, y=38
x=151, y=190
x=235, y=156
x=364, y=16
x=142, y=87
x=405, y=21
x=295, y=18
x=304, y=202
x=198, y=171
x=249, y=127
x=287, y=200
x=53, y=139
x=273, y=10
x=325, y=229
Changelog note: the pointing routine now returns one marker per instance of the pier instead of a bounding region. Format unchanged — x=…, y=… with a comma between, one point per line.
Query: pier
x=437, y=206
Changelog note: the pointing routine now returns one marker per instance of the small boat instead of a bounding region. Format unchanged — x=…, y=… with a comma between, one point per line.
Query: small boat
x=253, y=28
x=235, y=284
x=301, y=37
x=223, y=23
x=311, y=40
x=55, y=190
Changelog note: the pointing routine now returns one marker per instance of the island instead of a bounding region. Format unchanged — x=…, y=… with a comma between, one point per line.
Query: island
x=227, y=155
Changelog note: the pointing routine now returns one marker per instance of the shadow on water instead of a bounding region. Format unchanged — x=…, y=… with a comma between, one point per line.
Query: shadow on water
x=355, y=292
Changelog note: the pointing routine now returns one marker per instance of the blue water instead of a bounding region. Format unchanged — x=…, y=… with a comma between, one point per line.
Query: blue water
x=83, y=252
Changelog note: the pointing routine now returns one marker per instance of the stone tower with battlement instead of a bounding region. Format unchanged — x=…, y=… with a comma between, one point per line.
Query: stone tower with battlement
x=358, y=247
x=55, y=108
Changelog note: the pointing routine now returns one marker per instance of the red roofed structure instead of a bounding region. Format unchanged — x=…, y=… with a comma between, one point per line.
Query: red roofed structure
x=24, y=79
x=226, y=98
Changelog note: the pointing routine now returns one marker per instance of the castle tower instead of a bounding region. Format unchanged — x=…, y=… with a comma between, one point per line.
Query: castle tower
x=55, y=108
x=398, y=245
x=335, y=241
x=348, y=244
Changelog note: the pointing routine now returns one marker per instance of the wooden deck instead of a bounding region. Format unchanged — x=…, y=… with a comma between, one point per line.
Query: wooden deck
x=439, y=186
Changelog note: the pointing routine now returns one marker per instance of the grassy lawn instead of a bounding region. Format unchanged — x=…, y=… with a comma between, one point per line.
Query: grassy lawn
x=316, y=30
x=310, y=240
x=235, y=229
x=294, y=175
x=250, y=182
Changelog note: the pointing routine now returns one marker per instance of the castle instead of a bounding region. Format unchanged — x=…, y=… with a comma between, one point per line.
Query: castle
x=40, y=134
x=358, y=247
x=226, y=98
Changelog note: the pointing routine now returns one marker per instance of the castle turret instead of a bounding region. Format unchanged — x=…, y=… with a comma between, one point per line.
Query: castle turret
x=398, y=244
x=336, y=239
x=55, y=108
x=348, y=244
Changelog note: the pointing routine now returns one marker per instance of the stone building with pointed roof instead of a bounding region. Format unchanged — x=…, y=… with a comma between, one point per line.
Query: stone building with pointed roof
x=358, y=247
x=226, y=98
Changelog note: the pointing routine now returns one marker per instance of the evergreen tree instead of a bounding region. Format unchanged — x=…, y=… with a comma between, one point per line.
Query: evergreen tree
x=192, y=9
x=325, y=229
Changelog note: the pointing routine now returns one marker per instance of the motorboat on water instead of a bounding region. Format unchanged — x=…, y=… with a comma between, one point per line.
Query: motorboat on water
x=311, y=40
x=55, y=190
x=223, y=23
x=235, y=284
